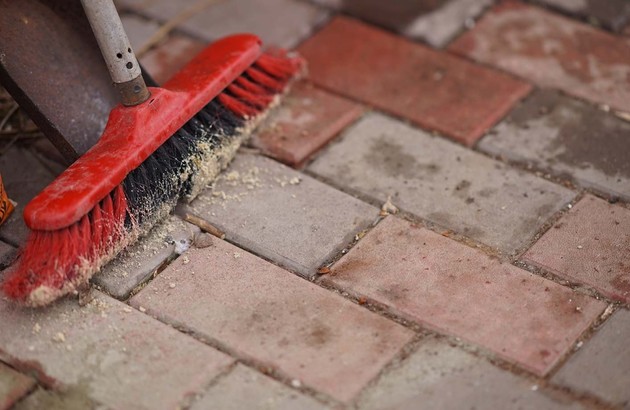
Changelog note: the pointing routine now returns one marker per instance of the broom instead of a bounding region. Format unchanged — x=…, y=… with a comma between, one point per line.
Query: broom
x=159, y=145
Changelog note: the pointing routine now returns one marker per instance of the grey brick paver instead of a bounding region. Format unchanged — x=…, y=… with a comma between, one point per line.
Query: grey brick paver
x=443, y=182
x=244, y=388
x=282, y=321
x=568, y=137
x=136, y=264
x=439, y=376
x=70, y=399
x=138, y=29
x=612, y=14
x=461, y=291
x=13, y=386
x=440, y=26
x=107, y=352
x=602, y=366
x=282, y=214
x=282, y=23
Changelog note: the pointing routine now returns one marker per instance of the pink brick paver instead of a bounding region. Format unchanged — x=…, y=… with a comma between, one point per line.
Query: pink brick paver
x=307, y=119
x=552, y=51
x=591, y=245
x=461, y=291
x=163, y=61
x=109, y=352
x=431, y=88
x=265, y=313
x=13, y=386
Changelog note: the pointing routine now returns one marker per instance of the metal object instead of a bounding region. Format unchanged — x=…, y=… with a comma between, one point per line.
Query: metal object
x=51, y=65
x=116, y=49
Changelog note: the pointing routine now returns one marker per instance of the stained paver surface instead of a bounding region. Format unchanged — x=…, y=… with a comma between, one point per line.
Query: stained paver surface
x=244, y=388
x=265, y=313
x=552, y=51
x=438, y=376
x=570, y=138
x=590, y=244
x=308, y=119
x=458, y=290
x=283, y=215
x=441, y=182
x=436, y=216
x=108, y=352
x=409, y=80
x=602, y=366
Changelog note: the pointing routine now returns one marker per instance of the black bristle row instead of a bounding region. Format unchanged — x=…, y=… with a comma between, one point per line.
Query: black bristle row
x=164, y=177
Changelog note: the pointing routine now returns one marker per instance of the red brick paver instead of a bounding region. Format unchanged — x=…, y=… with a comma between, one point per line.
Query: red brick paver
x=552, y=51
x=307, y=119
x=590, y=244
x=430, y=88
x=263, y=312
x=461, y=291
x=13, y=386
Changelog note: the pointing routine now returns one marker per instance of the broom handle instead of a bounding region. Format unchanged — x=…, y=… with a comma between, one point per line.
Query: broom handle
x=116, y=49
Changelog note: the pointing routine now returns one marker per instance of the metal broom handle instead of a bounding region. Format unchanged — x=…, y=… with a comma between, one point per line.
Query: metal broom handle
x=116, y=49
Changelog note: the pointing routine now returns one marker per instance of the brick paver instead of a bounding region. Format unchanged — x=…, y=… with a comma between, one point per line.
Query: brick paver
x=602, y=366
x=590, y=244
x=430, y=88
x=552, y=51
x=141, y=261
x=307, y=119
x=438, y=376
x=24, y=177
x=263, y=312
x=281, y=214
x=442, y=182
x=169, y=57
x=570, y=138
x=244, y=388
x=612, y=14
x=440, y=26
x=282, y=23
x=50, y=400
x=461, y=291
x=13, y=386
x=109, y=352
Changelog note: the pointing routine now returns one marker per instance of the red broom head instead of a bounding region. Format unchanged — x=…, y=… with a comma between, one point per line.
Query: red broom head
x=106, y=199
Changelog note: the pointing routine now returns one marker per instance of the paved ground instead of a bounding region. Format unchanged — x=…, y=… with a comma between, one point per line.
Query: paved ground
x=500, y=129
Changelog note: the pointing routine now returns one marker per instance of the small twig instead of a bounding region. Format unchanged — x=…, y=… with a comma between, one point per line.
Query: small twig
x=167, y=27
x=204, y=225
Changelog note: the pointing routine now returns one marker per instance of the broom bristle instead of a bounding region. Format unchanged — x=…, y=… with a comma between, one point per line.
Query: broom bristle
x=55, y=263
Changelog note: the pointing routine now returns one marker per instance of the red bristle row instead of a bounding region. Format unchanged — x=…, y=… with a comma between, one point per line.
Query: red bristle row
x=279, y=67
x=251, y=94
x=54, y=259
